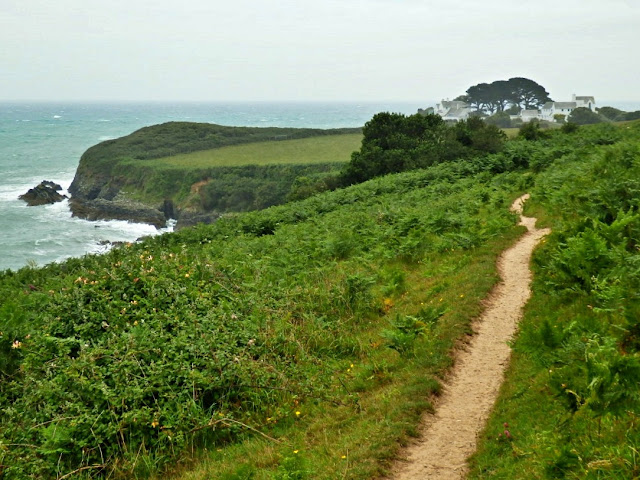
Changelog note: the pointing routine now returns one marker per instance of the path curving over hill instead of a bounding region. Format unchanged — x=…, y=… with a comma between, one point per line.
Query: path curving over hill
x=449, y=436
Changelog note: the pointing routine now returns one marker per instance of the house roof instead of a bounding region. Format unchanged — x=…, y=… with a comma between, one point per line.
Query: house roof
x=453, y=104
x=587, y=99
x=457, y=112
x=565, y=104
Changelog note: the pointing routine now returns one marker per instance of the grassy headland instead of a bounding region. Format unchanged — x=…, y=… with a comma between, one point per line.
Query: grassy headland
x=318, y=149
x=244, y=168
x=305, y=340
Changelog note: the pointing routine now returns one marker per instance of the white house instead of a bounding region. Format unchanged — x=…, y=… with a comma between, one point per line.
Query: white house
x=452, y=111
x=550, y=109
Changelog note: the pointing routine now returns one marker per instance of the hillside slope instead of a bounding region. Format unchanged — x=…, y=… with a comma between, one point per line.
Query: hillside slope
x=571, y=399
x=305, y=341
x=127, y=179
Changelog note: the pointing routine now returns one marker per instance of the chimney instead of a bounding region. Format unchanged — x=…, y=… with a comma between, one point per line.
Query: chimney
x=573, y=97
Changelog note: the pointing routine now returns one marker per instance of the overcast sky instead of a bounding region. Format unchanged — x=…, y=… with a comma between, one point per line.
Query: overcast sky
x=274, y=50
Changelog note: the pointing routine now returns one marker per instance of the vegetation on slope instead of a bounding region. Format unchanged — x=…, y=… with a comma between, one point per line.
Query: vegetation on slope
x=239, y=178
x=572, y=398
x=120, y=362
x=295, y=342
x=396, y=143
x=174, y=138
x=158, y=164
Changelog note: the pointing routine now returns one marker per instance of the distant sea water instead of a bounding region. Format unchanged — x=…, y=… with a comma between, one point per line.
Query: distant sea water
x=44, y=141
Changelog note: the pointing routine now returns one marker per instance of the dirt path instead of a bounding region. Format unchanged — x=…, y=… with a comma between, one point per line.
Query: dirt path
x=449, y=436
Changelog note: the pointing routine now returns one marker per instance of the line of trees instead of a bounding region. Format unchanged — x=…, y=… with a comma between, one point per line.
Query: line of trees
x=394, y=143
x=510, y=95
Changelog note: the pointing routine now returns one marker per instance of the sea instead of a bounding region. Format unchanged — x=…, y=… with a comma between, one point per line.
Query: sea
x=44, y=141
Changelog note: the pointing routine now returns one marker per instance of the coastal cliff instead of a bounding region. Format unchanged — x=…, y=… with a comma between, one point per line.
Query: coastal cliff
x=150, y=175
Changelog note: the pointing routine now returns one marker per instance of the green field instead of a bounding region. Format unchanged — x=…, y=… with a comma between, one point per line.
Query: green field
x=325, y=149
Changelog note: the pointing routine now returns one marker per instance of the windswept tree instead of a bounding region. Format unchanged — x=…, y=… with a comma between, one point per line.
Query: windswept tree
x=526, y=93
x=584, y=116
x=500, y=95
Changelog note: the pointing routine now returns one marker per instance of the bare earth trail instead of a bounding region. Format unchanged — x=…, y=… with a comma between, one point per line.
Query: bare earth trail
x=449, y=436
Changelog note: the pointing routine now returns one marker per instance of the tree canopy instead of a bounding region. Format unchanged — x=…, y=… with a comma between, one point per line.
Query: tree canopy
x=498, y=96
x=584, y=116
x=394, y=142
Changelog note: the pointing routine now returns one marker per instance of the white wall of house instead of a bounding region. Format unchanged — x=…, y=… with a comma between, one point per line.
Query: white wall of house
x=455, y=111
x=452, y=111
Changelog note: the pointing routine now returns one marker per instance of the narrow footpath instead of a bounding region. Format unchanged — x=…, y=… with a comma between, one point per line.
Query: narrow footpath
x=448, y=437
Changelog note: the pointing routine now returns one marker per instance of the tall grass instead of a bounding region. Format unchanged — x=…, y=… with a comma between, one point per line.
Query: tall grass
x=571, y=399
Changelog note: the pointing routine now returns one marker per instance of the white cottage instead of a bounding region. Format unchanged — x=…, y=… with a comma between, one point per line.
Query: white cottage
x=565, y=108
x=452, y=111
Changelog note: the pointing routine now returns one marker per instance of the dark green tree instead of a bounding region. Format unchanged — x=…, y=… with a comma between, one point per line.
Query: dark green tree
x=394, y=143
x=611, y=113
x=532, y=131
x=632, y=115
x=584, y=116
x=500, y=119
x=526, y=93
x=498, y=96
x=479, y=97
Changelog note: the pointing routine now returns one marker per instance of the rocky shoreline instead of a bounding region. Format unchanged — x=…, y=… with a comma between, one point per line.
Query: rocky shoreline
x=122, y=208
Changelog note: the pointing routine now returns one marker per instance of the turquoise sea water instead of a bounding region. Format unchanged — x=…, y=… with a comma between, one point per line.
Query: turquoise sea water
x=45, y=141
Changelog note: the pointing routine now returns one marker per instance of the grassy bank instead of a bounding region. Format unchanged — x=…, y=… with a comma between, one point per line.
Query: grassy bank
x=305, y=340
x=127, y=361
x=246, y=168
x=571, y=400
x=238, y=178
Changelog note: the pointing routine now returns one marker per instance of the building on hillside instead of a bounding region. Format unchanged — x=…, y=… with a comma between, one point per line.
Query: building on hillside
x=455, y=110
x=550, y=109
x=452, y=111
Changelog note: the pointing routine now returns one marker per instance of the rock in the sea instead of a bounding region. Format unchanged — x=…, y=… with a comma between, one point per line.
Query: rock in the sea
x=43, y=194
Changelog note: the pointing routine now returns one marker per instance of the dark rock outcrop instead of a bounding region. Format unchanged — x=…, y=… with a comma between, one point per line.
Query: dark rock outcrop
x=117, y=209
x=187, y=218
x=43, y=194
